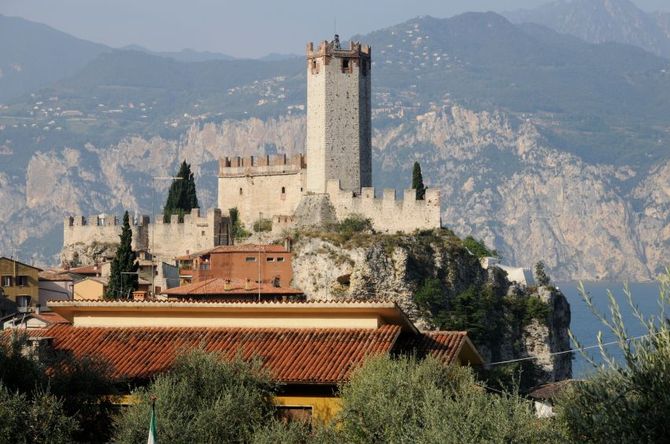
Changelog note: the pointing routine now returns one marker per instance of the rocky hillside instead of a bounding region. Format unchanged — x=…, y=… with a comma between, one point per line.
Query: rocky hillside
x=441, y=286
x=600, y=21
x=524, y=130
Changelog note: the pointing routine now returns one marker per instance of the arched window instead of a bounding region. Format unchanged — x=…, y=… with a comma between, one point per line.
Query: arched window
x=240, y=191
x=283, y=190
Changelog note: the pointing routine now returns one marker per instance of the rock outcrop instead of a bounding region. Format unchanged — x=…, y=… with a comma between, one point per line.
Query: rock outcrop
x=395, y=268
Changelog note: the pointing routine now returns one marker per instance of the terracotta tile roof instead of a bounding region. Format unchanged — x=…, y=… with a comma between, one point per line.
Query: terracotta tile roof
x=443, y=345
x=316, y=356
x=86, y=270
x=221, y=286
x=54, y=275
x=51, y=318
x=243, y=248
x=550, y=390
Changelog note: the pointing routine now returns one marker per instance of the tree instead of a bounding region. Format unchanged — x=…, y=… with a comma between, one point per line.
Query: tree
x=407, y=400
x=628, y=401
x=31, y=419
x=122, y=281
x=417, y=182
x=182, y=197
x=238, y=231
x=541, y=275
x=202, y=399
x=478, y=248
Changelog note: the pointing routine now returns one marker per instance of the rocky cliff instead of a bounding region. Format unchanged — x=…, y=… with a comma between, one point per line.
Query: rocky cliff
x=441, y=286
x=501, y=181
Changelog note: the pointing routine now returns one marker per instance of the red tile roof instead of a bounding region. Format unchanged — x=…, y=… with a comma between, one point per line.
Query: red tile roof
x=221, y=286
x=86, y=270
x=316, y=356
x=443, y=345
x=243, y=248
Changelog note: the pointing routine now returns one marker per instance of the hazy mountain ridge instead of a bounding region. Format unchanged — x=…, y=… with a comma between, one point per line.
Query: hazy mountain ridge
x=447, y=92
x=599, y=21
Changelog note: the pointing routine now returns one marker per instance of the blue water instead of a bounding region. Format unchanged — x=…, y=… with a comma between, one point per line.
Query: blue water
x=585, y=325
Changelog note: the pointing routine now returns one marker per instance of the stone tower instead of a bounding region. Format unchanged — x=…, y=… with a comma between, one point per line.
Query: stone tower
x=338, y=142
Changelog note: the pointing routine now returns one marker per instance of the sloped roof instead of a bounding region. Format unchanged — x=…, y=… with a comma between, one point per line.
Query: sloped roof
x=221, y=286
x=242, y=248
x=315, y=356
x=19, y=262
x=445, y=346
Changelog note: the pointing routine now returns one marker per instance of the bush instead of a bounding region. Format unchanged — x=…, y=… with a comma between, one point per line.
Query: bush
x=478, y=248
x=262, y=225
x=353, y=224
x=203, y=398
x=238, y=231
x=36, y=419
x=626, y=402
x=406, y=400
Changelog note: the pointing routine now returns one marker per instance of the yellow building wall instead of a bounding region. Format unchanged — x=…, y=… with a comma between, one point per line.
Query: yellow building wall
x=11, y=268
x=89, y=289
x=324, y=408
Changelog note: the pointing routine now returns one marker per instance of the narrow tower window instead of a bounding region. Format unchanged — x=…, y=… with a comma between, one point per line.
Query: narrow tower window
x=240, y=191
x=345, y=65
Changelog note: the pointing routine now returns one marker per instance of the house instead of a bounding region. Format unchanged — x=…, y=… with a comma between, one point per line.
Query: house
x=256, y=262
x=19, y=283
x=94, y=288
x=32, y=320
x=522, y=276
x=55, y=285
x=544, y=396
x=308, y=347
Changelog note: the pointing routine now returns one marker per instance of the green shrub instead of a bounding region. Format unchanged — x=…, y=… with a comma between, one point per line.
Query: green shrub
x=262, y=225
x=478, y=248
x=202, y=399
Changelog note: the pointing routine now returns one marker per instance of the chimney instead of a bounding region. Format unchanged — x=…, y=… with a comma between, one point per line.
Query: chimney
x=226, y=285
x=247, y=284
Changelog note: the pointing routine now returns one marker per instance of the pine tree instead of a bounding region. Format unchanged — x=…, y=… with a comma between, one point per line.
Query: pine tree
x=417, y=182
x=182, y=197
x=541, y=275
x=121, y=283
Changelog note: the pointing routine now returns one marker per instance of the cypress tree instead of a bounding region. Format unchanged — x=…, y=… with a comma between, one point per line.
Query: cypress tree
x=120, y=284
x=182, y=197
x=417, y=182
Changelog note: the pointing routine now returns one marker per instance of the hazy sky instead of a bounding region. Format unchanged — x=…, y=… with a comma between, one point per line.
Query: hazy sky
x=242, y=28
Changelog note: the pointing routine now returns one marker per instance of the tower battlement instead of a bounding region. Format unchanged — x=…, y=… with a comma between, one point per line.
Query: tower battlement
x=260, y=165
x=326, y=48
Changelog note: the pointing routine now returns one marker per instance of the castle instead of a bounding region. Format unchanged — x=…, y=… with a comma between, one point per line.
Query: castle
x=331, y=182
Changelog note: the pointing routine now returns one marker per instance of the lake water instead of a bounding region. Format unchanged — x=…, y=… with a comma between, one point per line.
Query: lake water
x=585, y=325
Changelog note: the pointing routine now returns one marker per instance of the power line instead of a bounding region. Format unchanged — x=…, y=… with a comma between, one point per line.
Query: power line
x=572, y=350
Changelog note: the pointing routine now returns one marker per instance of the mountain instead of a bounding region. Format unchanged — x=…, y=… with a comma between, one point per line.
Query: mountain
x=185, y=55
x=33, y=55
x=544, y=145
x=600, y=21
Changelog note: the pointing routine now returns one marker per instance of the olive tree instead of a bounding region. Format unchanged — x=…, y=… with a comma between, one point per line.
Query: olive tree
x=624, y=401
x=202, y=399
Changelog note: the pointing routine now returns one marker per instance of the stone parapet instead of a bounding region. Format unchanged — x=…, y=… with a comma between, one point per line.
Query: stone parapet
x=261, y=165
x=387, y=213
x=330, y=49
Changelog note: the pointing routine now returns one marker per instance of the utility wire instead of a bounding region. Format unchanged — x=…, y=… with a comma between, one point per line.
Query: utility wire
x=572, y=350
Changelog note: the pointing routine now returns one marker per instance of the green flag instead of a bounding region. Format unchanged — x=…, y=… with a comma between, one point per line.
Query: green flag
x=152, y=425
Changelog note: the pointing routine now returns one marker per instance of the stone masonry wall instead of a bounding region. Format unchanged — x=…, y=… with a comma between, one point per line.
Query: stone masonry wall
x=271, y=185
x=196, y=232
x=388, y=214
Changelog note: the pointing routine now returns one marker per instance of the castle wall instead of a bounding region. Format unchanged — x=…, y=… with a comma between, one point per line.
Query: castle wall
x=338, y=140
x=388, y=214
x=271, y=185
x=196, y=232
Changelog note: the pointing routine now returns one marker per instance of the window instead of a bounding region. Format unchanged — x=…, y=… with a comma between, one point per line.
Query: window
x=21, y=281
x=240, y=191
x=297, y=413
x=250, y=259
x=270, y=259
x=345, y=65
x=7, y=281
x=280, y=259
x=283, y=190
x=202, y=233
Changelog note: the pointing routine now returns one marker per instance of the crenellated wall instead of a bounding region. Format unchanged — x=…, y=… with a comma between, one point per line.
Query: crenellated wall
x=388, y=214
x=165, y=240
x=267, y=185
